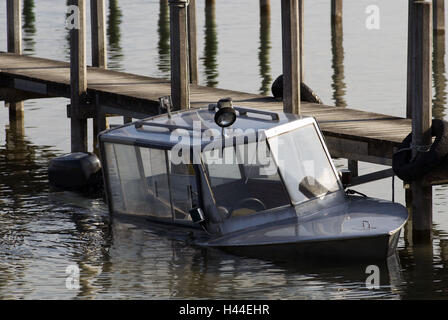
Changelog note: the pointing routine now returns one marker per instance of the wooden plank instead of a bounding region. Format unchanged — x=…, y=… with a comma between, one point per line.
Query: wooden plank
x=291, y=52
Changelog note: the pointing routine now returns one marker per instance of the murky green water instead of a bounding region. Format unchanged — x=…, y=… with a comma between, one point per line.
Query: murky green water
x=43, y=232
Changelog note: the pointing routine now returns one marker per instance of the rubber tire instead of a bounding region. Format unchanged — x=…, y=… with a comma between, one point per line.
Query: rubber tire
x=306, y=94
x=425, y=162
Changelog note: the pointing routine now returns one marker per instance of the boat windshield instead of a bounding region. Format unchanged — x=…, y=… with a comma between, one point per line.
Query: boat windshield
x=244, y=179
x=303, y=164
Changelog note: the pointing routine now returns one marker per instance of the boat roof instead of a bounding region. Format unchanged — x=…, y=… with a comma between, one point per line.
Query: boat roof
x=164, y=130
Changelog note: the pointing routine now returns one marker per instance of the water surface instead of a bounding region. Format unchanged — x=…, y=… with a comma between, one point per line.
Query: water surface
x=239, y=46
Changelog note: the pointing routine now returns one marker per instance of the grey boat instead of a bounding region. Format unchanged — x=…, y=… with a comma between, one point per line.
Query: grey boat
x=251, y=182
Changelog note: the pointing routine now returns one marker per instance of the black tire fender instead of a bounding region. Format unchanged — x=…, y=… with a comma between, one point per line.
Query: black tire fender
x=409, y=169
x=306, y=94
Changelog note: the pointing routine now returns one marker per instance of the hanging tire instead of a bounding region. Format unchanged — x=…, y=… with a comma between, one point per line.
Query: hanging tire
x=306, y=94
x=410, y=170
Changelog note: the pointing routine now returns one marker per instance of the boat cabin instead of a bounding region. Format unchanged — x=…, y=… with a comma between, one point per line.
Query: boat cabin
x=264, y=167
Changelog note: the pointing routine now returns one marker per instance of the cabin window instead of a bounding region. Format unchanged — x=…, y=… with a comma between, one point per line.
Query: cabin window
x=304, y=164
x=244, y=179
x=138, y=180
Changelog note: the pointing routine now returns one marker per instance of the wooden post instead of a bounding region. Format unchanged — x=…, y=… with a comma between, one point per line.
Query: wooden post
x=439, y=16
x=302, y=37
x=411, y=64
x=422, y=116
x=180, y=89
x=336, y=11
x=78, y=79
x=265, y=46
x=14, y=36
x=210, y=45
x=337, y=50
x=439, y=77
x=192, y=42
x=98, y=30
x=99, y=60
x=353, y=167
x=291, y=52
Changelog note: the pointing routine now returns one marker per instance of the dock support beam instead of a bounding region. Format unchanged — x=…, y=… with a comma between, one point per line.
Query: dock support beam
x=78, y=79
x=180, y=88
x=14, y=36
x=421, y=103
x=291, y=59
x=192, y=42
x=99, y=60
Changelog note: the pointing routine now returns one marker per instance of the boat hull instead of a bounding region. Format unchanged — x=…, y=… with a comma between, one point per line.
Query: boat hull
x=373, y=248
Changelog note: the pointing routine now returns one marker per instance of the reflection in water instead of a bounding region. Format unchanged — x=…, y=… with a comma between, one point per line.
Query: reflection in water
x=211, y=45
x=115, y=55
x=39, y=238
x=164, y=40
x=29, y=28
x=265, y=47
x=337, y=63
x=439, y=77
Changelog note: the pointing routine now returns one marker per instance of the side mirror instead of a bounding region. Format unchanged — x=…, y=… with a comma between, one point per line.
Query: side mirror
x=346, y=177
x=197, y=215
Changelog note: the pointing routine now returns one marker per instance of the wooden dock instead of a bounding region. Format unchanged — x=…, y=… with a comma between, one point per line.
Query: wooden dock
x=353, y=134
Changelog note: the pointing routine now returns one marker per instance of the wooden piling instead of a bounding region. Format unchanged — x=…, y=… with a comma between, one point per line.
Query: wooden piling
x=438, y=16
x=410, y=63
x=78, y=79
x=422, y=116
x=14, y=38
x=291, y=59
x=353, y=167
x=302, y=38
x=99, y=59
x=192, y=42
x=180, y=89
x=336, y=11
x=98, y=30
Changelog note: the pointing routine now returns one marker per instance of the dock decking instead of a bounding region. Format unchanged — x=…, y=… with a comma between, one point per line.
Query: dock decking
x=352, y=134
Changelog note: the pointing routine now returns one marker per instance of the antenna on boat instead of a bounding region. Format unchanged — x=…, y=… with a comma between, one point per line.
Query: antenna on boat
x=166, y=103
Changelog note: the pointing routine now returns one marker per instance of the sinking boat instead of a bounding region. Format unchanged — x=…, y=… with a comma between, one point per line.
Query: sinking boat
x=247, y=181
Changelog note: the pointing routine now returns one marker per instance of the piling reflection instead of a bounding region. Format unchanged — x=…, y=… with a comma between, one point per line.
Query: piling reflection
x=22, y=185
x=211, y=45
x=29, y=28
x=115, y=51
x=337, y=63
x=439, y=77
x=265, y=47
x=163, y=45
